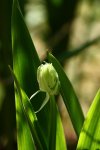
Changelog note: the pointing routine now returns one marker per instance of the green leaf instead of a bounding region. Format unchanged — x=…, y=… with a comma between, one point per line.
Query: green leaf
x=69, y=96
x=56, y=133
x=31, y=119
x=25, y=58
x=60, y=137
x=90, y=134
x=25, y=63
x=52, y=123
x=24, y=138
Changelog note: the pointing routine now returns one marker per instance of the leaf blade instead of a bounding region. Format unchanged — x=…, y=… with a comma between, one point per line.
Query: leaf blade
x=90, y=134
x=25, y=63
x=30, y=117
x=56, y=136
x=60, y=137
x=24, y=138
x=69, y=96
x=52, y=123
x=25, y=58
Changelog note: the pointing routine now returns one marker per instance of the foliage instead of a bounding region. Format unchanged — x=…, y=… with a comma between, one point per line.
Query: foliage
x=44, y=130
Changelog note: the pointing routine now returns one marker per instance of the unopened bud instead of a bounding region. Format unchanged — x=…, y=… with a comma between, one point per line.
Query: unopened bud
x=48, y=79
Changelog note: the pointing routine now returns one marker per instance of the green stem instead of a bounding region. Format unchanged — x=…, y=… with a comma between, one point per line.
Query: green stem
x=53, y=121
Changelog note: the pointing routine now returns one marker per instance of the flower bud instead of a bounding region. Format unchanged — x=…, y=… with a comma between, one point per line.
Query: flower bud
x=48, y=79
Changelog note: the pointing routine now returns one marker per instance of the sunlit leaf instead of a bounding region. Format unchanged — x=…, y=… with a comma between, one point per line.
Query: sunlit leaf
x=24, y=138
x=69, y=96
x=25, y=63
x=60, y=137
x=25, y=58
x=28, y=112
x=56, y=132
x=52, y=123
x=90, y=134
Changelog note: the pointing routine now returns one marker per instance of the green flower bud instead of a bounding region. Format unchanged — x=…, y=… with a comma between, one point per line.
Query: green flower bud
x=48, y=79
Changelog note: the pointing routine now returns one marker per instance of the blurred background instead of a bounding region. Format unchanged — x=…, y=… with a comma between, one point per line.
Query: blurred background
x=70, y=29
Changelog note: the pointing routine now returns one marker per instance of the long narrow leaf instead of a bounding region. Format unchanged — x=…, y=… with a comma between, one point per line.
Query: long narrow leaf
x=56, y=136
x=69, y=96
x=52, y=124
x=25, y=58
x=25, y=63
x=90, y=134
x=24, y=138
x=30, y=116
x=36, y=131
x=60, y=137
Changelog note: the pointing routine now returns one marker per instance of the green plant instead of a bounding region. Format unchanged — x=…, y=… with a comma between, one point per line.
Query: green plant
x=43, y=130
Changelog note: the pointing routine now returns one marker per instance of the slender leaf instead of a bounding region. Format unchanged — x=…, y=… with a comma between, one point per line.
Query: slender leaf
x=25, y=58
x=25, y=63
x=24, y=138
x=52, y=124
x=56, y=133
x=30, y=115
x=35, y=128
x=90, y=134
x=60, y=137
x=69, y=96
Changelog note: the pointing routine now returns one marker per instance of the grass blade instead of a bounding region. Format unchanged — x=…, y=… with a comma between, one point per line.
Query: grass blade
x=60, y=137
x=90, y=134
x=69, y=96
x=25, y=63
x=25, y=58
x=52, y=124
x=56, y=136
x=24, y=138
x=30, y=116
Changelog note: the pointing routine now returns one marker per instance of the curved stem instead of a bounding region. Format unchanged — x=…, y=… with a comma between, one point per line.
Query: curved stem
x=44, y=102
x=35, y=94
